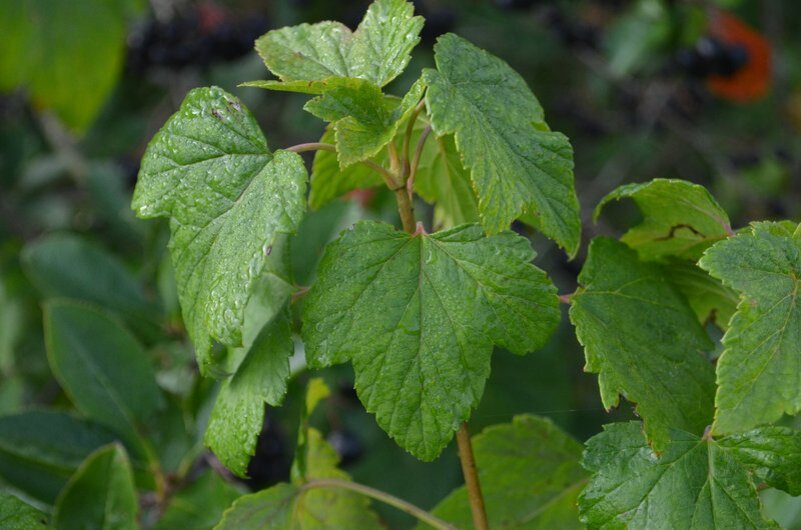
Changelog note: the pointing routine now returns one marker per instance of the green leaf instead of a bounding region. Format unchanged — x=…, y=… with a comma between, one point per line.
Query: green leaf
x=320, y=86
x=362, y=118
x=708, y=297
x=377, y=51
x=695, y=484
x=417, y=315
x=316, y=391
x=759, y=371
x=269, y=509
x=530, y=478
x=679, y=218
x=329, y=181
x=517, y=165
x=442, y=179
x=200, y=505
x=101, y=366
x=300, y=506
x=261, y=377
x=382, y=44
x=773, y=454
x=40, y=450
x=68, y=266
x=644, y=341
x=68, y=54
x=17, y=515
x=210, y=171
x=101, y=494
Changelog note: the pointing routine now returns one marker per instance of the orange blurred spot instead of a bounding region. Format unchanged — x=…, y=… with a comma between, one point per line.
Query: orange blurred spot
x=752, y=81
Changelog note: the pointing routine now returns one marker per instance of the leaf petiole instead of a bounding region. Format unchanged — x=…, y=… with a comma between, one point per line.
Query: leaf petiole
x=381, y=496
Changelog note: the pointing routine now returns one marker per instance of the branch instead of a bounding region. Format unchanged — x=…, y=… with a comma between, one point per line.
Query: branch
x=471, y=478
x=388, y=177
x=407, y=138
x=382, y=496
x=416, y=161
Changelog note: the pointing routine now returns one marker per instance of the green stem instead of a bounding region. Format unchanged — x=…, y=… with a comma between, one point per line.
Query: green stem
x=405, y=209
x=416, y=160
x=388, y=177
x=407, y=138
x=381, y=496
x=471, y=478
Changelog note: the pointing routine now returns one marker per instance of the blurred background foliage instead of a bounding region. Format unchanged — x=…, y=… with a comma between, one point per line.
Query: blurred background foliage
x=709, y=92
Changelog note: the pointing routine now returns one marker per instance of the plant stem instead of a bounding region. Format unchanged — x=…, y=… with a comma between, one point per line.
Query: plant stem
x=416, y=160
x=405, y=209
x=388, y=177
x=408, y=136
x=382, y=496
x=471, y=478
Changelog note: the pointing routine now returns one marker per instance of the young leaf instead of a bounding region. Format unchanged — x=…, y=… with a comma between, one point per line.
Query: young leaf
x=361, y=116
x=517, y=165
x=260, y=378
x=17, y=515
x=210, y=171
x=101, y=367
x=418, y=314
x=679, y=218
x=643, y=340
x=200, y=505
x=377, y=51
x=69, y=266
x=329, y=180
x=301, y=506
x=759, y=372
x=696, y=484
x=101, y=494
x=40, y=450
x=530, y=478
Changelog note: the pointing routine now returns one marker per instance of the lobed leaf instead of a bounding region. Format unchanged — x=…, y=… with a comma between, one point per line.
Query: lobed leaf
x=643, y=340
x=696, y=483
x=101, y=494
x=530, y=478
x=517, y=165
x=228, y=199
x=759, y=371
x=362, y=118
x=679, y=218
x=330, y=178
x=417, y=315
x=377, y=51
